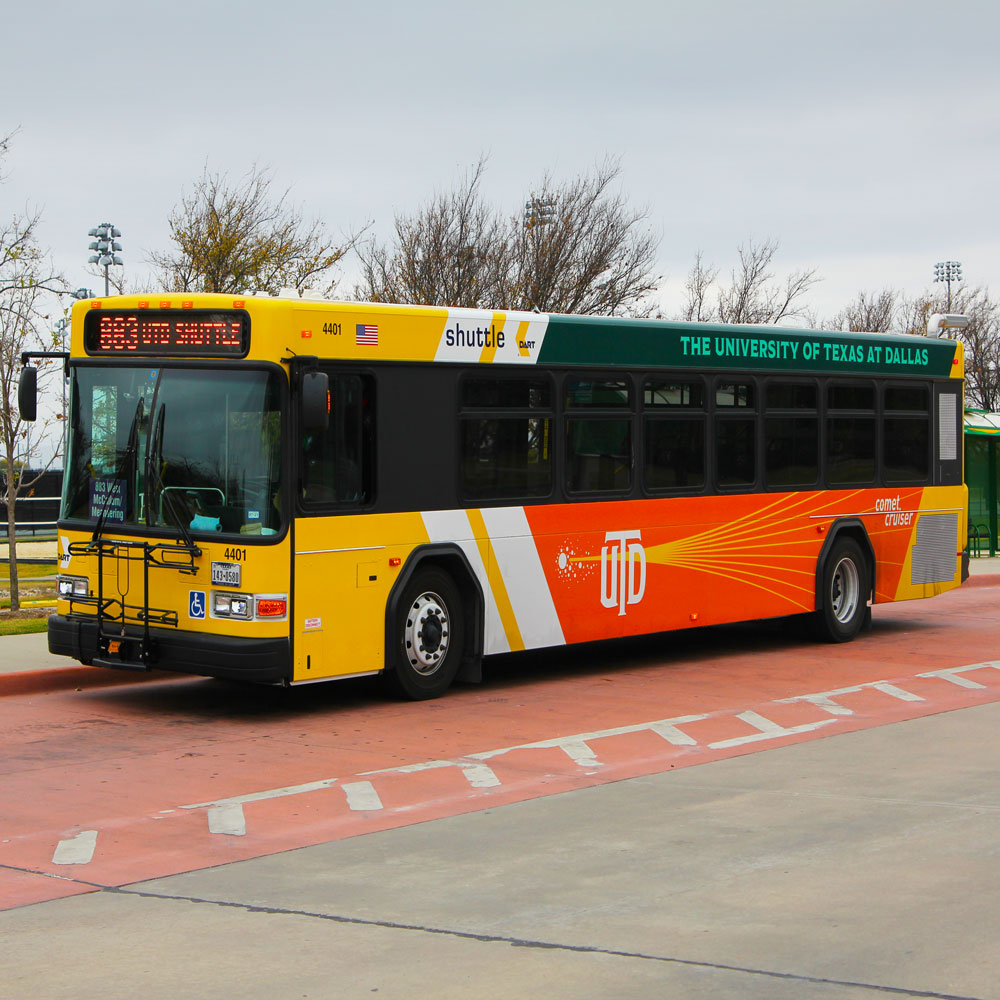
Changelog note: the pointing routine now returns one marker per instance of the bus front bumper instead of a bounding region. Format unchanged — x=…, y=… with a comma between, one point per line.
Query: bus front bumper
x=263, y=661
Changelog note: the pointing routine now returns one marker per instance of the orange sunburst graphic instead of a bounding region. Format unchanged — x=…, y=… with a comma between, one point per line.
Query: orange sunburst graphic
x=641, y=566
x=772, y=549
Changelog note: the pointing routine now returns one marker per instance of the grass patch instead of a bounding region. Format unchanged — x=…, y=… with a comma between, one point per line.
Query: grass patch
x=21, y=626
x=27, y=571
x=30, y=587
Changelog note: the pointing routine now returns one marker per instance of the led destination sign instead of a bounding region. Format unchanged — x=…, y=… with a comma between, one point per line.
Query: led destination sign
x=201, y=332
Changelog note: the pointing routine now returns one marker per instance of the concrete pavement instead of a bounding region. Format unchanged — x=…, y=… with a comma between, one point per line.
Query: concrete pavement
x=985, y=566
x=19, y=653
x=854, y=867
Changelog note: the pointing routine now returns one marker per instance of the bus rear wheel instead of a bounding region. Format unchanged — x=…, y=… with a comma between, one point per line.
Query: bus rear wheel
x=845, y=593
x=427, y=637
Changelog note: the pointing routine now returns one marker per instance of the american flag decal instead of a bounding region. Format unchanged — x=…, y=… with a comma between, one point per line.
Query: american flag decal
x=367, y=333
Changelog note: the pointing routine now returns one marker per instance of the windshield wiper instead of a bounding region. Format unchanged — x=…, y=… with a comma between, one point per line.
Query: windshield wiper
x=127, y=464
x=154, y=481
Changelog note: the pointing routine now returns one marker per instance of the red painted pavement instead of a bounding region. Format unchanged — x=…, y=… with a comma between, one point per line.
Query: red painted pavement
x=137, y=777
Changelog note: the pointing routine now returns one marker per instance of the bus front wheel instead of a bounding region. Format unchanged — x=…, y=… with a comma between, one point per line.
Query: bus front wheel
x=845, y=593
x=427, y=636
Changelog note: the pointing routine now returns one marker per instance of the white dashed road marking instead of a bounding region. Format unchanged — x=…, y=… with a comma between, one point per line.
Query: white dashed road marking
x=78, y=850
x=226, y=816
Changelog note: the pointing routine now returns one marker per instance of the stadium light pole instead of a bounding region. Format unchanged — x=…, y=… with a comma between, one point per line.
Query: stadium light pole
x=948, y=271
x=107, y=247
x=539, y=212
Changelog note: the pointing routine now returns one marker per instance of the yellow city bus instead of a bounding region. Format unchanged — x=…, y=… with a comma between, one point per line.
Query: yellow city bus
x=285, y=490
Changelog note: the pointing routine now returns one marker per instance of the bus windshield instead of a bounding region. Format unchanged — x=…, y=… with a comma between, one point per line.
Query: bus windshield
x=175, y=447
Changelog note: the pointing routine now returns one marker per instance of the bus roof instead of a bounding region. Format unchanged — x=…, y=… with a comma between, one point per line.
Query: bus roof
x=282, y=327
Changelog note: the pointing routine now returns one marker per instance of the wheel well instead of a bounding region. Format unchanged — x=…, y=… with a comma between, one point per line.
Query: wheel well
x=851, y=528
x=453, y=561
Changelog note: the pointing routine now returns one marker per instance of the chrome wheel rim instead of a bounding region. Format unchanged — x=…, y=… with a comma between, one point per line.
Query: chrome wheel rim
x=846, y=591
x=426, y=634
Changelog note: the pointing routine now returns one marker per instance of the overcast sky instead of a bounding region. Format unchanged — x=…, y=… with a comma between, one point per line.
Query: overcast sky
x=864, y=136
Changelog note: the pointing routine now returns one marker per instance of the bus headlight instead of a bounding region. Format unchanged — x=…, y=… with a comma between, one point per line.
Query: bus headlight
x=72, y=586
x=227, y=605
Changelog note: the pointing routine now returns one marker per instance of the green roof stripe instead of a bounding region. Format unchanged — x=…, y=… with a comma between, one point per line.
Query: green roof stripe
x=584, y=340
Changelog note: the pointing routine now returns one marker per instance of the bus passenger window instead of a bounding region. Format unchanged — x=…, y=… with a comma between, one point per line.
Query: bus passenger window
x=336, y=465
x=598, y=446
x=736, y=452
x=906, y=430
x=734, y=394
x=506, y=437
x=735, y=435
x=675, y=454
x=850, y=434
x=503, y=458
x=791, y=434
x=598, y=455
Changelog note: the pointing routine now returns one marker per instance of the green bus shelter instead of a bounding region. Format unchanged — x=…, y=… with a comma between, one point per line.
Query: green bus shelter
x=982, y=439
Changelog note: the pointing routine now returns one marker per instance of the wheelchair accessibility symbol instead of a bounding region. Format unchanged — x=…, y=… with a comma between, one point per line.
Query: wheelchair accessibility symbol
x=196, y=604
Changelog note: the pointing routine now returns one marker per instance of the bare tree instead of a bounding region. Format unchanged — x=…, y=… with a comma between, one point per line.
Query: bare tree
x=452, y=252
x=27, y=281
x=700, y=279
x=753, y=294
x=236, y=236
x=913, y=314
x=576, y=248
x=582, y=249
x=870, y=312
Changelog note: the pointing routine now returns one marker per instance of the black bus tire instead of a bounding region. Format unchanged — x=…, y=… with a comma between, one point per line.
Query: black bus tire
x=844, y=594
x=426, y=637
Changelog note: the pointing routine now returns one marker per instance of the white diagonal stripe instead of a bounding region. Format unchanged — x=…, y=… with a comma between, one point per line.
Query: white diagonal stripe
x=767, y=730
x=362, y=797
x=523, y=576
x=78, y=850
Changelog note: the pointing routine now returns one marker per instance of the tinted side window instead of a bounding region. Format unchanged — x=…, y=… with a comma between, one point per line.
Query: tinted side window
x=734, y=394
x=506, y=437
x=675, y=453
x=791, y=434
x=906, y=433
x=736, y=452
x=336, y=466
x=589, y=393
x=598, y=454
x=506, y=393
x=504, y=457
x=658, y=392
x=673, y=434
x=850, y=433
x=598, y=444
x=735, y=435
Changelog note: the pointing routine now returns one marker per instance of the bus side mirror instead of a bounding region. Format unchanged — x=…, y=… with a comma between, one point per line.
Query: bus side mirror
x=314, y=401
x=27, y=393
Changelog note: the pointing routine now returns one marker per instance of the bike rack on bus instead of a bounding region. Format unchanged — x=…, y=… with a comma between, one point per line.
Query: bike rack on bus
x=113, y=613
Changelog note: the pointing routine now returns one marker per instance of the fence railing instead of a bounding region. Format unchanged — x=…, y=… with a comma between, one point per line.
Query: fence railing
x=32, y=523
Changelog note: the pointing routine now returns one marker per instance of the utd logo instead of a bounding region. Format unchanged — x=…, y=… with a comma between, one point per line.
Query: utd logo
x=623, y=570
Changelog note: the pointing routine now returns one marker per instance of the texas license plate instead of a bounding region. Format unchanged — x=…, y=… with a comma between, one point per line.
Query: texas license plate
x=226, y=573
